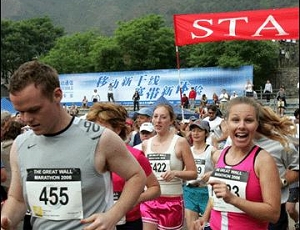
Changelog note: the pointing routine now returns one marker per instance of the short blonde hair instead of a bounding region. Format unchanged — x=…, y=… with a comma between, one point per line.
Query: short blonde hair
x=111, y=113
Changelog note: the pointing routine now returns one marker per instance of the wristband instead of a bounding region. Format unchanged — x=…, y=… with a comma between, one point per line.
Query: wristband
x=284, y=182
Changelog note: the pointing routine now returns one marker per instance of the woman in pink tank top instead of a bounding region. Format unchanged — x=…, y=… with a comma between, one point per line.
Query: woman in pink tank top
x=245, y=185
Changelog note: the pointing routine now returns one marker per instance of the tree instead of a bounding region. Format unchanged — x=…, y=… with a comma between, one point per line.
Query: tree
x=71, y=54
x=106, y=55
x=263, y=55
x=146, y=43
x=25, y=40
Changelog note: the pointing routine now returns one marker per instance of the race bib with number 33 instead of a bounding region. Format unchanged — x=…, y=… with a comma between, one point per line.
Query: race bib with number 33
x=236, y=182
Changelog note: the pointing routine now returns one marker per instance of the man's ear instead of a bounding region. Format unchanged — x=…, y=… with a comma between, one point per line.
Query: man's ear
x=57, y=95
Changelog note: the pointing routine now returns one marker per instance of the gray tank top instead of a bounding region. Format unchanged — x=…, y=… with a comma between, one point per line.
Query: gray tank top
x=60, y=182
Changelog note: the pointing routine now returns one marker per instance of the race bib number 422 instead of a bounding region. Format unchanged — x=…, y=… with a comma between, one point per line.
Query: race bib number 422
x=160, y=163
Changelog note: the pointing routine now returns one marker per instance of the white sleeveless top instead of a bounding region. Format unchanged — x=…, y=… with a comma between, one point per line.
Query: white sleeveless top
x=203, y=163
x=166, y=161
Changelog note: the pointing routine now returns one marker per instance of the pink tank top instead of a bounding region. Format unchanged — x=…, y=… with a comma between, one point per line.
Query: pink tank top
x=234, y=220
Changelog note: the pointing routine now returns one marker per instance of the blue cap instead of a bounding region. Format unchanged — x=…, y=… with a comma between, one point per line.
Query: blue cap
x=145, y=111
x=193, y=118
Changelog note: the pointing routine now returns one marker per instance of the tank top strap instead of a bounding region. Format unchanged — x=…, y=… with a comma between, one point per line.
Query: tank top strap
x=254, y=152
x=173, y=143
x=149, y=143
x=224, y=151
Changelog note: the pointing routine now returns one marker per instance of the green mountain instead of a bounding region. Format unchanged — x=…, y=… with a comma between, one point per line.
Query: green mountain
x=103, y=15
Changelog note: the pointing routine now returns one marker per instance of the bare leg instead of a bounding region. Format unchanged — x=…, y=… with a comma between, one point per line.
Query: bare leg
x=190, y=217
x=148, y=226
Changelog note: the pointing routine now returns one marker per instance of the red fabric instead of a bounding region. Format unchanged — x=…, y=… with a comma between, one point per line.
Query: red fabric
x=192, y=94
x=119, y=182
x=184, y=100
x=270, y=24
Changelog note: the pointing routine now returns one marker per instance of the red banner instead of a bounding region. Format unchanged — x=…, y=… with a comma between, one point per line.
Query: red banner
x=274, y=24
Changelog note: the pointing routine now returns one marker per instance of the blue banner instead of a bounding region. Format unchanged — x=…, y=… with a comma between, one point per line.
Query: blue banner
x=151, y=84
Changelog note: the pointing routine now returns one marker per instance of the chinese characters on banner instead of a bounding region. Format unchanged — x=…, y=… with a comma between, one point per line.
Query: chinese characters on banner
x=151, y=84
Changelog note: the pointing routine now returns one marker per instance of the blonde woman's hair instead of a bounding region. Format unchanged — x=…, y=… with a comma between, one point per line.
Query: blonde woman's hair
x=270, y=124
x=275, y=127
x=111, y=113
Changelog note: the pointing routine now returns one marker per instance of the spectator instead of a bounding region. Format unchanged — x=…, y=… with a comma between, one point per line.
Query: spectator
x=185, y=101
x=84, y=103
x=110, y=93
x=224, y=98
x=233, y=95
x=146, y=131
x=202, y=110
x=203, y=99
x=136, y=101
x=214, y=121
x=257, y=200
x=192, y=97
x=173, y=152
x=143, y=115
x=249, y=89
x=268, y=90
x=74, y=110
x=280, y=107
x=95, y=96
x=113, y=116
x=215, y=99
x=281, y=95
x=45, y=153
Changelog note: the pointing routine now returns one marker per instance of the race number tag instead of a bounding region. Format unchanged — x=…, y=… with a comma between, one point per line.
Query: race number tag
x=200, y=163
x=55, y=194
x=236, y=182
x=116, y=198
x=160, y=163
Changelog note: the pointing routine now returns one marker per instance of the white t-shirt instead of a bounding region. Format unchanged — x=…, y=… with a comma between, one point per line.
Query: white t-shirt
x=213, y=124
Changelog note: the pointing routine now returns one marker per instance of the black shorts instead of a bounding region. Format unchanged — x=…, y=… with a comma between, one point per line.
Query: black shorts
x=249, y=94
x=294, y=195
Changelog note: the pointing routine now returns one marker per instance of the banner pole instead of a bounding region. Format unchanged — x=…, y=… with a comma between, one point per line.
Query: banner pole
x=179, y=79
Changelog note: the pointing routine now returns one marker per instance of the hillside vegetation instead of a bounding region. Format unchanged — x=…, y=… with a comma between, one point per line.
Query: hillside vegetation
x=103, y=15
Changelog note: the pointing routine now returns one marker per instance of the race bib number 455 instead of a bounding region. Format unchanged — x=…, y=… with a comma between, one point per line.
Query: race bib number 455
x=55, y=194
